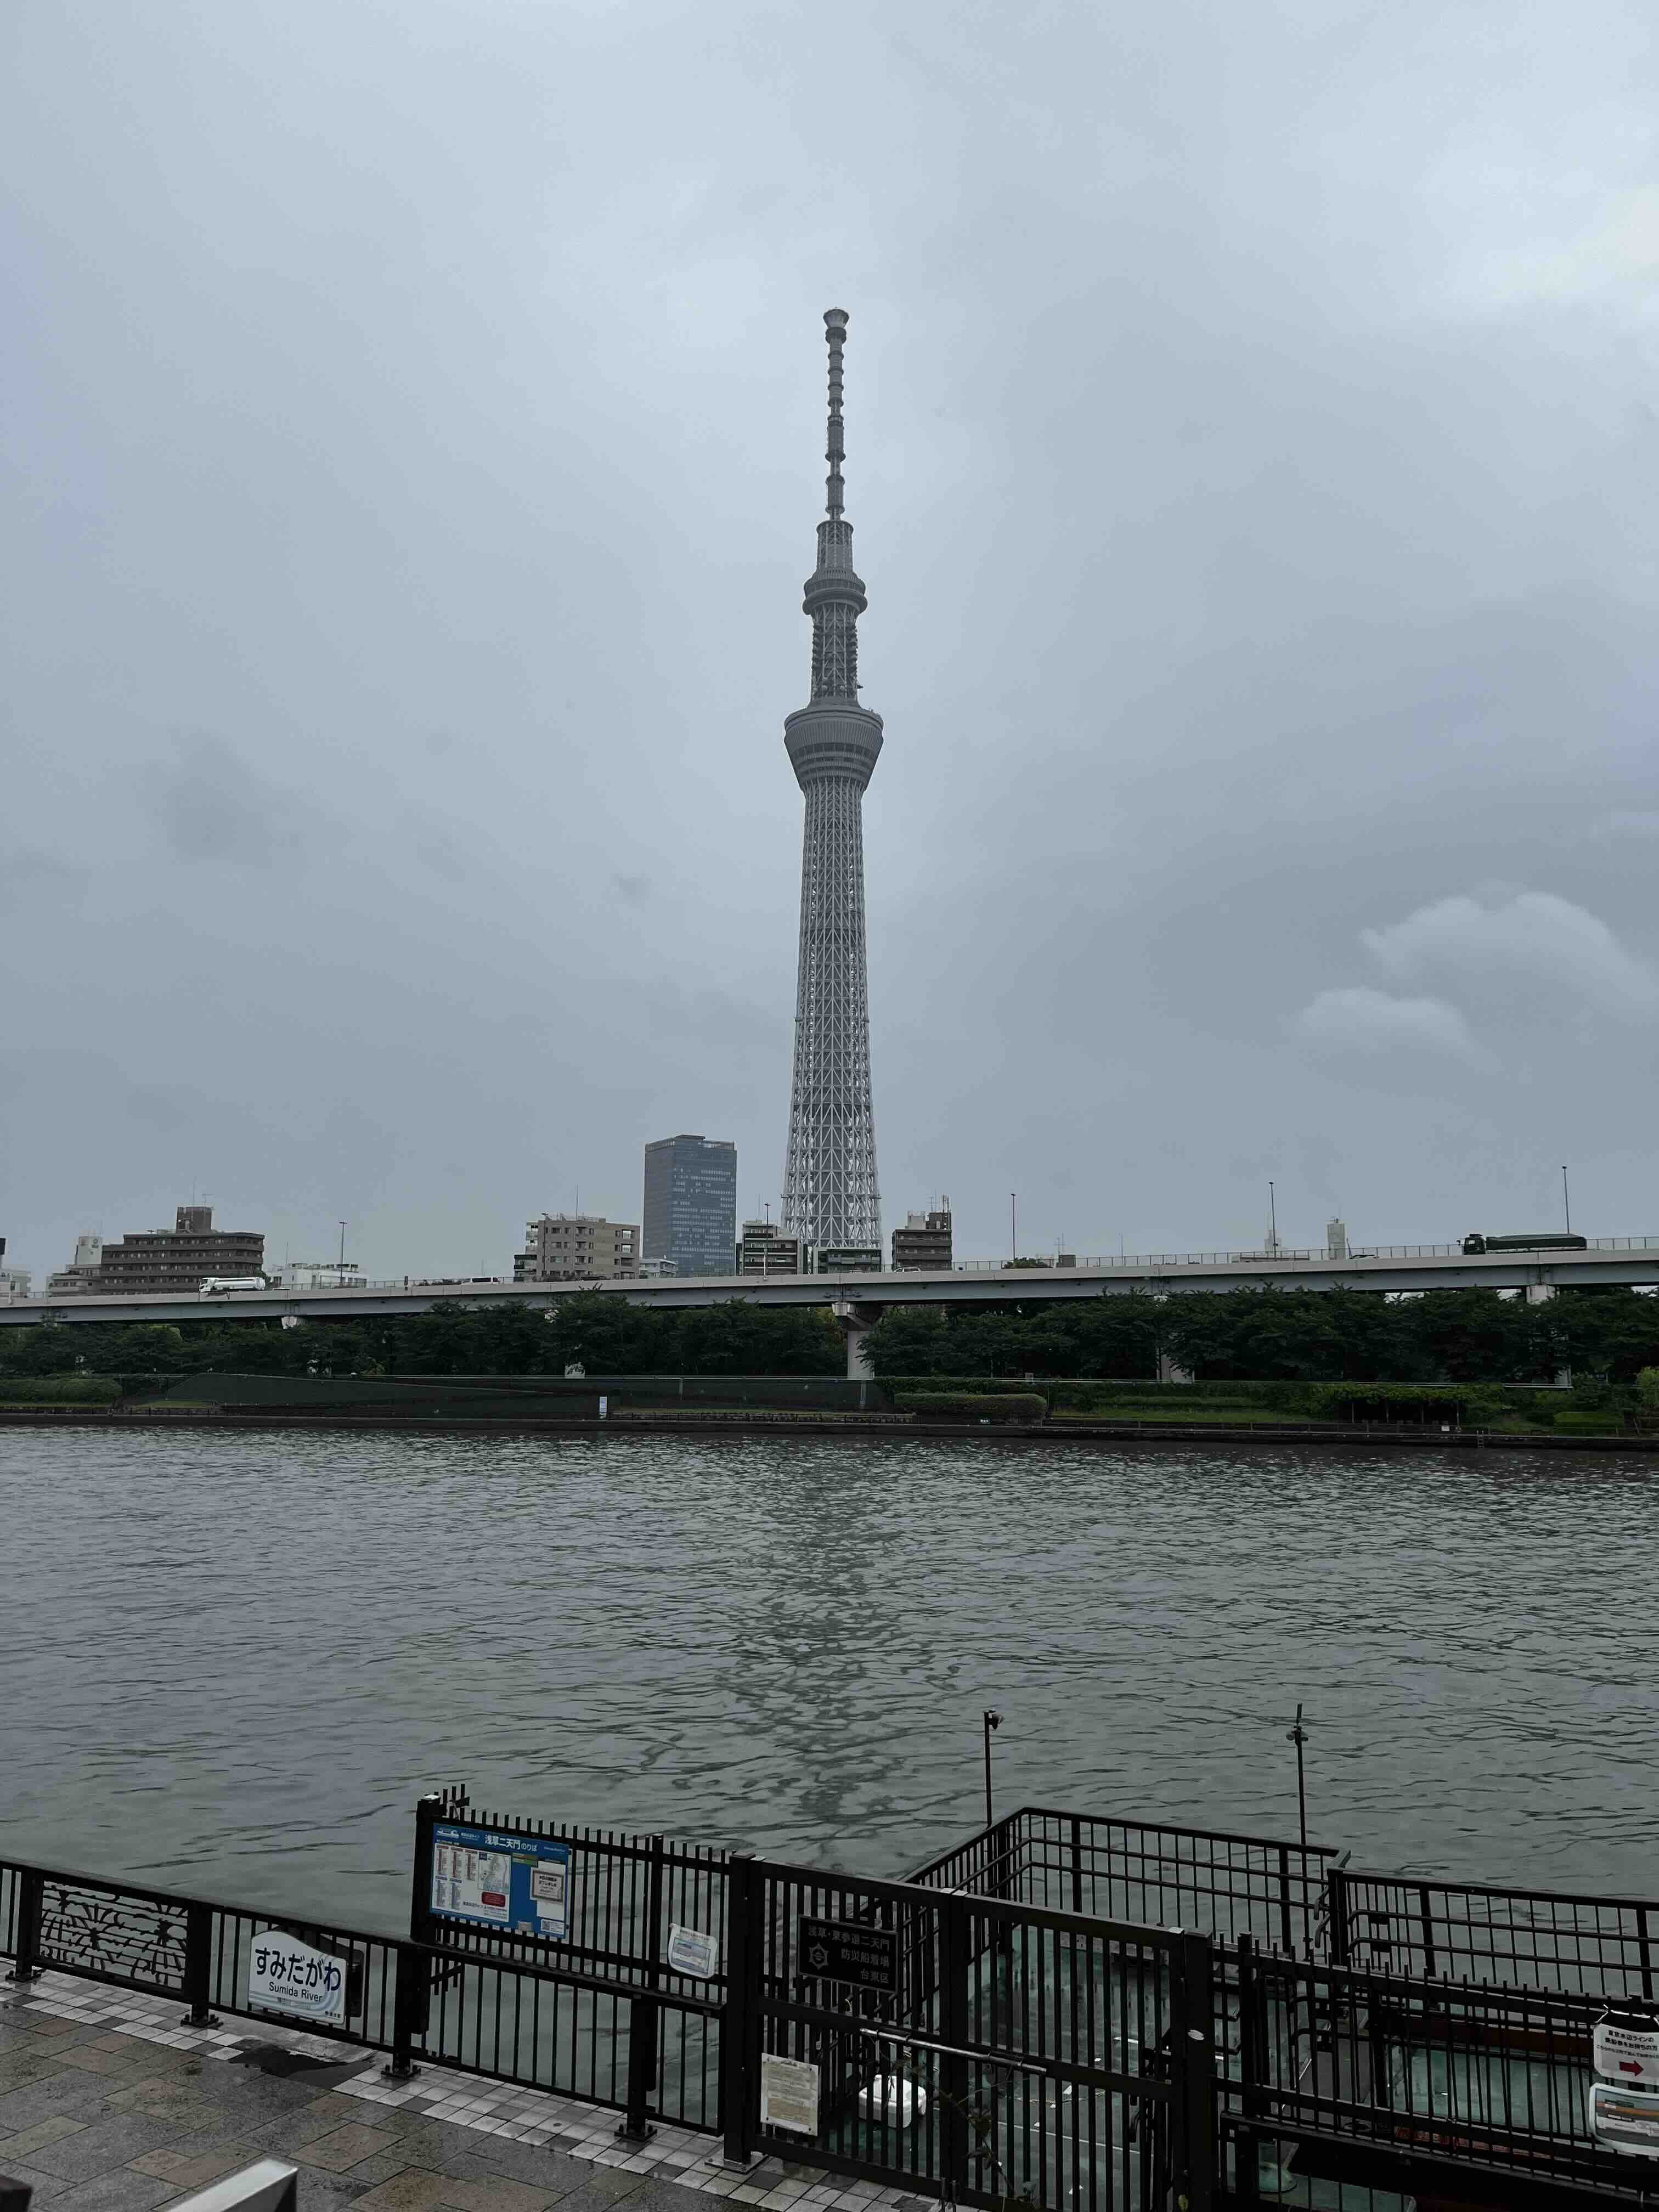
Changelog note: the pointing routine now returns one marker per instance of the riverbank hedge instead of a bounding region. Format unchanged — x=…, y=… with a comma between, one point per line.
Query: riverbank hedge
x=971, y=1405
x=59, y=1390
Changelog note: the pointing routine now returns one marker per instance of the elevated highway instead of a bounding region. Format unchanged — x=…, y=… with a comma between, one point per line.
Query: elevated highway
x=858, y=1300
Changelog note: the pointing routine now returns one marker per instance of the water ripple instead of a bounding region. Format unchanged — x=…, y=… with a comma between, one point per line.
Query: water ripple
x=234, y=1661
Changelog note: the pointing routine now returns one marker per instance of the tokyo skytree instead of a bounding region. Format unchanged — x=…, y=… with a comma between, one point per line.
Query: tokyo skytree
x=830, y=1197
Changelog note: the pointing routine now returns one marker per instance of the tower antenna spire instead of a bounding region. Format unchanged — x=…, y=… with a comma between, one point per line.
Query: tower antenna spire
x=834, y=452
x=830, y=1198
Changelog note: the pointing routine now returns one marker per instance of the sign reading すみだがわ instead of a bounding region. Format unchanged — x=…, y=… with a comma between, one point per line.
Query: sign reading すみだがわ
x=285, y=1975
x=488, y=1879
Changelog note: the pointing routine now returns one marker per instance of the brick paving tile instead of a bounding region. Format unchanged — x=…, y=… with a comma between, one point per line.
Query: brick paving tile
x=60, y=2092
x=110, y=2141
x=341, y=2148
x=533, y=2163
x=578, y=2187
x=655, y=2195
x=50, y=2131
x=127, y=2062
x=498, y=2194
x=283, y=2134
x=197, y=2159
x=14, y=2035
x=414, y=2190
x=323, y=2192
x=25, y=2063
x=371, y=2172
x=120, y=2191
x=181, y=2103
x=249, y=2091
x=44, y=2186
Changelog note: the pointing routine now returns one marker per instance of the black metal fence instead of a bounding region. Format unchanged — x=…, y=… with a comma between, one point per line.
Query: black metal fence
x=973, y=2048
x=1527, y=1939
x=1084, y=2012
x=611, y=2038
x=1364, y=2077
x=608, y=2017
x=1223, y=1884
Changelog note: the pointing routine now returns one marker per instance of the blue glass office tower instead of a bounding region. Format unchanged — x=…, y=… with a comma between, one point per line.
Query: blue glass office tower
x=691, y=1205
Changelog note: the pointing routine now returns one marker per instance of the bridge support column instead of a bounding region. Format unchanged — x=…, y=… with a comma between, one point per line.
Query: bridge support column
x=857, y=1321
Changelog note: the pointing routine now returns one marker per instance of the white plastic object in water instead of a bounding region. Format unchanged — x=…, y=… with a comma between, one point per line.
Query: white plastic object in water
x=892, y=2100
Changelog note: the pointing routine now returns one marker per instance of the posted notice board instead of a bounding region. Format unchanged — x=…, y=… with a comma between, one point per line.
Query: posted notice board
x=518, y=1884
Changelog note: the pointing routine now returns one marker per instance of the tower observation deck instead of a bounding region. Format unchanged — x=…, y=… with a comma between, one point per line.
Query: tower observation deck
x=830, y=1196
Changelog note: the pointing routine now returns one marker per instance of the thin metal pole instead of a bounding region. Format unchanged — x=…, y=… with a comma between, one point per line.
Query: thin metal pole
x=1566, y=1200
x=1298, y=1736
x=1272, y=1219
x=992, y=1721
x=1013, y=1228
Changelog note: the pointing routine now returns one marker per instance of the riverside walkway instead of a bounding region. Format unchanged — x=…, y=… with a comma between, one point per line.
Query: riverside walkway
x=107, y=2103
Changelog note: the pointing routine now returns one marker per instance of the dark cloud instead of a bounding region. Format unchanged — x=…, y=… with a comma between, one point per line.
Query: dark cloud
x=209, y=805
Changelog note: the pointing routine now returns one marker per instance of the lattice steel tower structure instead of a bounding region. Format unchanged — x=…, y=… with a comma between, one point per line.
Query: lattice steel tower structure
x=830, y=1197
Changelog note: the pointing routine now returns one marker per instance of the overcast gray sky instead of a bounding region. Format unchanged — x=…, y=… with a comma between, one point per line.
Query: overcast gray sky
x=412, y=452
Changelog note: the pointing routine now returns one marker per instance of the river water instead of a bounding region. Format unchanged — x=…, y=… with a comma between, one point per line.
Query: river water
x=231, y=1662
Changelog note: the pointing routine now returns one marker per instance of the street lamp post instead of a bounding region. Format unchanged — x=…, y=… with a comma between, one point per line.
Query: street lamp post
x=992, y=1720
x=1566, y=1200
x=1298, y=1736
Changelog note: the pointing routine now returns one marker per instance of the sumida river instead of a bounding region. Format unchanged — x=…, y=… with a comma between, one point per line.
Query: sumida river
x=230, y=1663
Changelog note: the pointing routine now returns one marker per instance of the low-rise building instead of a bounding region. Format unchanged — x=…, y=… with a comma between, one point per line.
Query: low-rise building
x=319, y=1274
x=80, y=1278
x=923, y=1241
x=766, y=1251
x=577, y=1247
x=180, y=1259
x=843, y=1260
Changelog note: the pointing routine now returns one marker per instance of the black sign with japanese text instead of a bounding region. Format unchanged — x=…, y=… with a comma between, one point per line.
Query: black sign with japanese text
x=843, y=1951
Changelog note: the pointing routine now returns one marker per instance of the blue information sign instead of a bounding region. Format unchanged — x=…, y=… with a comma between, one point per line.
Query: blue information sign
x=518, y=1884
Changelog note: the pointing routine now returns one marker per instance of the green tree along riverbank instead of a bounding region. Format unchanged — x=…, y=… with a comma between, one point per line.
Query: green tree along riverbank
x=1270, y=1335
x=1281, y=1335
x=602, y=1334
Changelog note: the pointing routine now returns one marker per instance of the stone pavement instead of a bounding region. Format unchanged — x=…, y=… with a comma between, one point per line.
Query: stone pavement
x=108, y=2104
